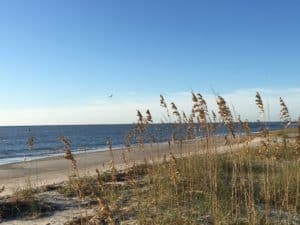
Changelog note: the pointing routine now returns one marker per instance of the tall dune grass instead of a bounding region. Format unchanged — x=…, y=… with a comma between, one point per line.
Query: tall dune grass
x=238, y=178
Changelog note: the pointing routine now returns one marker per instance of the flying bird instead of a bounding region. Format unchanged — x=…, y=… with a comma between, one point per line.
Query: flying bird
x=110, y=96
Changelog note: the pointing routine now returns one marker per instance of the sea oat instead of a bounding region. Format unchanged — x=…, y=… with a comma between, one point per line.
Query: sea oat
x=199, y=108
x=190, y=128
x=284, y=113
x=175, y=111
x=140, y=129
x=149, y=117
x=140, y=117
x=259, y=103
x=226, y=115
x=174, y=171
x=68, y=154
x=164, y=105
x=162, y=102
x=128, y=139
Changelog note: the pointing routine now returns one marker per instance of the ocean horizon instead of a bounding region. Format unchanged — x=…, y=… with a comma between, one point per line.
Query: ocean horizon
x=84, y=138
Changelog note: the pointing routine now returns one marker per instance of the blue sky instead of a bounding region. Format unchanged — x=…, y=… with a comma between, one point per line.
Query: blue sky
x=58, y=57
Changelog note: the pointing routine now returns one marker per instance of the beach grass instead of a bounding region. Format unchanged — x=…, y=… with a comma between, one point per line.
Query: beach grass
x=237, y=178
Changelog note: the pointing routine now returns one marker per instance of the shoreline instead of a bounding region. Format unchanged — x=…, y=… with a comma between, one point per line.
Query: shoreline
x=87, y=151
x=54, y=170
x=75, y=153
x=25, y=156
x=48, y=156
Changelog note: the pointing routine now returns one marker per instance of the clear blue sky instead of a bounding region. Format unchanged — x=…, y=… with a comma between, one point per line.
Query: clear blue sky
x=56, y=53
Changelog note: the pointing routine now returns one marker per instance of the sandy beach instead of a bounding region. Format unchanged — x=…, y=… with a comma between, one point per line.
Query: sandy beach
x=57, y=169
x=53, y=170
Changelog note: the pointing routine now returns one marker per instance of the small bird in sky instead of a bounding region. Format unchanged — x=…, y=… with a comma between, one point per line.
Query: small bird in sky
x=110, y=96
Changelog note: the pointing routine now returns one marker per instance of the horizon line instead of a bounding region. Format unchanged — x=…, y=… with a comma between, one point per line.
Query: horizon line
x=110, y=124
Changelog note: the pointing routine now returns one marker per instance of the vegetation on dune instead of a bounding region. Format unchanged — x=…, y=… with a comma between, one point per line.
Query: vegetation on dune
x=245, y=178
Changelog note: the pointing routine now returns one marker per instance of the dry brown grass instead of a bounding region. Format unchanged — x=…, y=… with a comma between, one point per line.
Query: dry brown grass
x=257, y=185
x=194, y=183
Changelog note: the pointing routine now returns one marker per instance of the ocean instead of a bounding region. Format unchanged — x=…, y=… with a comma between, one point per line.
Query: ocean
x=13, y=139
